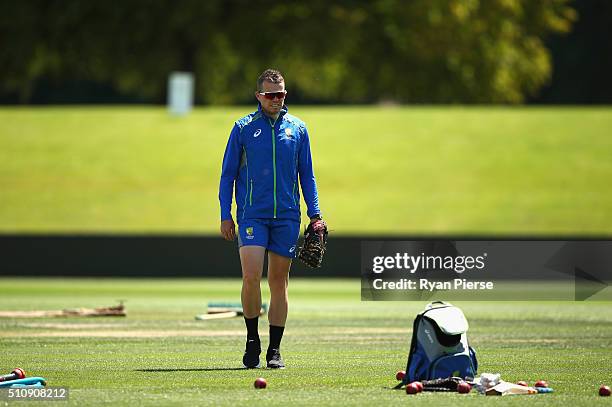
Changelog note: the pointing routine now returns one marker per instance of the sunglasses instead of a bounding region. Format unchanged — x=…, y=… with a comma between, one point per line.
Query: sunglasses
x=274, y=95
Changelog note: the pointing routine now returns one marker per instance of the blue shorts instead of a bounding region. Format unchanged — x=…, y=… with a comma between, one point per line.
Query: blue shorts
x=277, y=235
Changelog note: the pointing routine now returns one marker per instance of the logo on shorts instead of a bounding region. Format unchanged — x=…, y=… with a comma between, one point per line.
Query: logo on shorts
x=257, y=133
x=292, y=249
x=249, y=232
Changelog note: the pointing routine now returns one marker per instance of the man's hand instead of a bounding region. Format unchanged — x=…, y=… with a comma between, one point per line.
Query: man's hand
x=316, y=218
x=228, y=229
x=315, y=243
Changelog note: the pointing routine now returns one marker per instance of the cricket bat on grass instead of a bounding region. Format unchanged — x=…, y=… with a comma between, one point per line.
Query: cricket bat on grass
x=221, y=310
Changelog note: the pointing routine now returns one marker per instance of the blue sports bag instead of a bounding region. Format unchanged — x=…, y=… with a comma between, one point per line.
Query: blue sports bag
x=439, y=347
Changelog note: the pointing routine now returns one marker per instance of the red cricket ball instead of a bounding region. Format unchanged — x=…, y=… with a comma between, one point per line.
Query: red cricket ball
x=419, y=385
x=463, y=387
x=412, y=388
x=19, y=372
x=260, y=383
x=541, y=383
x=604, y=390
x=522, y=383
x=400, y=375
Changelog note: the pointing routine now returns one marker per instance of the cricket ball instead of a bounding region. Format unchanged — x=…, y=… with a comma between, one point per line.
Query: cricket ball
x=541, y=383
x=400, y=375
x=463, y=388
x=522, y=383
x=19, y=372
x=412, y=388
x=419, y=385
x=604, y=391
x=260, y=383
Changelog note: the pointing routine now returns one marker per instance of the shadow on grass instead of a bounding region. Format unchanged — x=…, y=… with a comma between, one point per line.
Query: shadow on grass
x=203, y=369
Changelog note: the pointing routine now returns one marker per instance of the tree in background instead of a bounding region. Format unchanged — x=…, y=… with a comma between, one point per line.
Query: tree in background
x=419, y=51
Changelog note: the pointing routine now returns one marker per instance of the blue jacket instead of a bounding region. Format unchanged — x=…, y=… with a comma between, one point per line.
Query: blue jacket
x=263, y=158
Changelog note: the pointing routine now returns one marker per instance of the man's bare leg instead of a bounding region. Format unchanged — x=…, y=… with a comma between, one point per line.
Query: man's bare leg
x=252, y=260
x=278, y=280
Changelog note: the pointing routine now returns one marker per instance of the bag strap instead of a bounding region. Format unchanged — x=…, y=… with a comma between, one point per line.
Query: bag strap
x=413, y=345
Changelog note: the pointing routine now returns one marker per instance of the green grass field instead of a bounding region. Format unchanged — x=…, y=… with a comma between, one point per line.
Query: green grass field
x=404, y=170
x=339, y=351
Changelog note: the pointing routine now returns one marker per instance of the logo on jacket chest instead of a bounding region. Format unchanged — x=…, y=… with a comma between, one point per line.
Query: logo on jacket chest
x=257, y=133
x=287, y=134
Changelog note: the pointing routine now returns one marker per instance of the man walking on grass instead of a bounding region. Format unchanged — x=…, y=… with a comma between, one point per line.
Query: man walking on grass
x=268, y=159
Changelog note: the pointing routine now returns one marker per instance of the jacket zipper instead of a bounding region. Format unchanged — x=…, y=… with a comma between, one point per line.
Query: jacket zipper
x=251, y=194
x=274, y=162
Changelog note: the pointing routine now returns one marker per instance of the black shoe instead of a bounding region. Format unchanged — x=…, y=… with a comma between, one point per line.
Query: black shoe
x=274, y=359
x=250, y=360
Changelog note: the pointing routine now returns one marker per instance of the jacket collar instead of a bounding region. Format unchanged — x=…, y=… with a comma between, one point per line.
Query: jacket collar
x=282, y=112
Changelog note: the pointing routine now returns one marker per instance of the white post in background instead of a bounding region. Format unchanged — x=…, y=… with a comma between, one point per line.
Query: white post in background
x=180, y=93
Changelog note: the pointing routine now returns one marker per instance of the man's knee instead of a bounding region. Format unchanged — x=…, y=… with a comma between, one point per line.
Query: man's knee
x=278, y=281
x=251, y=278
